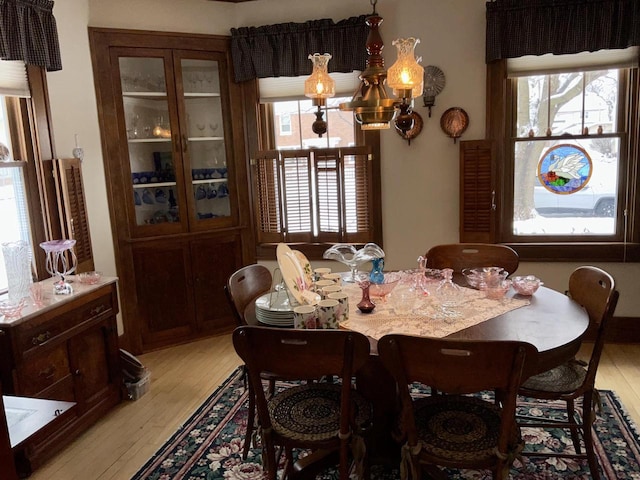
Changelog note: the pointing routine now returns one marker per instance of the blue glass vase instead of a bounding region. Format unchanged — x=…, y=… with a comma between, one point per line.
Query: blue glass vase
x=376, y=275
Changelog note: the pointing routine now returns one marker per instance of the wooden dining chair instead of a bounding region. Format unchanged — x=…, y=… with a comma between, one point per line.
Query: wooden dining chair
x=243, y=287
x=459, y=256
x=453, y=429
x=594, y=289
x=306, y=414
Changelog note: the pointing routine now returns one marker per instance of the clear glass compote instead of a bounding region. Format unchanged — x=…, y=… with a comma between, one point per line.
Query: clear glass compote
x=352, y=257
x=61, y=261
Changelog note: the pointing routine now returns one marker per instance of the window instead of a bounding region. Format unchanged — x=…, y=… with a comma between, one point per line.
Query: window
x=28, y=179
x=296, y=117
x=563, y=160
x=284, y=119
x=314, y=191
x=567, y=155
x=14, y=216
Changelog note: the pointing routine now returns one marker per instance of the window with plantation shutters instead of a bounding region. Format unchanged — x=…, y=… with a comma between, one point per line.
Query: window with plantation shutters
x=313, y=195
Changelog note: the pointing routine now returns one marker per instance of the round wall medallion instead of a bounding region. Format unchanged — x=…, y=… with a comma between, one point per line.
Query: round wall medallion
x=454, y=122
x=565, y=169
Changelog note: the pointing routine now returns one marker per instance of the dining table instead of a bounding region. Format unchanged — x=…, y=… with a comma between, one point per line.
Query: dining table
x=548, y=319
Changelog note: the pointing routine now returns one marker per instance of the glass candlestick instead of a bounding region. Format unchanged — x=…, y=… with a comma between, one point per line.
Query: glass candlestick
x=61, y=261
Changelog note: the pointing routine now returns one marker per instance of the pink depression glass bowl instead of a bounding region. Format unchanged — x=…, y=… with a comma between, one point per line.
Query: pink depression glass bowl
x=499, y=291
x=11, y=309
x=526, y=285
x=383, y=289
x=90, y=278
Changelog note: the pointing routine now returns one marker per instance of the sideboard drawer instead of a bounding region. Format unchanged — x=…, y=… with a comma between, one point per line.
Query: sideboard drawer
x=33, y=335
x=43, y=371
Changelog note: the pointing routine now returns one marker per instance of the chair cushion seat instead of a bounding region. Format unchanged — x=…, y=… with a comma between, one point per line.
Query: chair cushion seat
x=460, y=428
x=311, y=412
x=566, y=378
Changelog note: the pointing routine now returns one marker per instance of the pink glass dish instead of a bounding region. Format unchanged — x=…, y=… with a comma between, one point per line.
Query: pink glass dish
x=11, y=309
x=383, y=289
x=526, y=285
x=482, y=277
x=497, y=292
x=90, y=278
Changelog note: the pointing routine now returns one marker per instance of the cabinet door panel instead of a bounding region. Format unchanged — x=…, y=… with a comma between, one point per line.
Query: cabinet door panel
x=204, y=129
x=89, y=355
x=214, y=260
x=164, y=292
x=149, y=121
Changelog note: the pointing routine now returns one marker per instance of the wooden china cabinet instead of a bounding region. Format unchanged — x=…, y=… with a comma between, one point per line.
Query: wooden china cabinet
x=173, y=147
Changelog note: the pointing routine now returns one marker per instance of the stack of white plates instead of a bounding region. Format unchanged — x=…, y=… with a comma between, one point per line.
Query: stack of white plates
x=275, y=309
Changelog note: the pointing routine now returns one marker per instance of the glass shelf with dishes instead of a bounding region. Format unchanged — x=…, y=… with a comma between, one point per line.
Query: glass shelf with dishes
x=212, y=199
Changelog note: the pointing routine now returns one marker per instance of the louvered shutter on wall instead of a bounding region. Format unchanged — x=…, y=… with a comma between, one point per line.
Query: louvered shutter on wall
x=477, y=202
x=73, y=209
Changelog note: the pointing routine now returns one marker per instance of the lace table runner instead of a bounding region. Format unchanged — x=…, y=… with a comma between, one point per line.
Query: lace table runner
x=426, y=318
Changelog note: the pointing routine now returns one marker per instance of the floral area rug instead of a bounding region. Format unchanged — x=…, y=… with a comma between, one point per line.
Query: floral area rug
x=209, y=444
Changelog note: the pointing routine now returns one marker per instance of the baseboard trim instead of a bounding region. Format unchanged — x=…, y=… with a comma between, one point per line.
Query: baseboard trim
x=621, y=330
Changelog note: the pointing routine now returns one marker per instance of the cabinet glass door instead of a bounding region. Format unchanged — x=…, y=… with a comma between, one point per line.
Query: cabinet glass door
x=149, y=140
x=206, y=139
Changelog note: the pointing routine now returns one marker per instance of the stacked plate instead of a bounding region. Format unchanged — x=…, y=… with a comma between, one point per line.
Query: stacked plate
x=275, y=309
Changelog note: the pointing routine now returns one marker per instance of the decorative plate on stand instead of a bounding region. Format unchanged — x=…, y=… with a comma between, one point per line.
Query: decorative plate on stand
x=454, y=122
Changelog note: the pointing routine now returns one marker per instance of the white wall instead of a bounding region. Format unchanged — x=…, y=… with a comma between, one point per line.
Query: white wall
x=419, y=182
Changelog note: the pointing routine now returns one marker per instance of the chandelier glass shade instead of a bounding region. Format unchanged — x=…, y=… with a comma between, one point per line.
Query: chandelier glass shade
x=406, y=75
x=319, y=86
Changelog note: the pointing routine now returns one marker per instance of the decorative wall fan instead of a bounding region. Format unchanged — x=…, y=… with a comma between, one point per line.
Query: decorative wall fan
x=434, y=82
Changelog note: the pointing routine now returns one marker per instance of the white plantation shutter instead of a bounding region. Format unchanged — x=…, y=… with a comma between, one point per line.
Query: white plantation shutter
x=13, y=79
x=313, y=195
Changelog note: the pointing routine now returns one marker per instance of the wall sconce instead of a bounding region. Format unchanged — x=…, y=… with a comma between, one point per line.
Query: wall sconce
x=372, y=108
x=319, y=86
x=434, y=82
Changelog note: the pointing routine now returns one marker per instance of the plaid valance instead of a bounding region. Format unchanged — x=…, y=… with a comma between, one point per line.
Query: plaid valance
x=516, y=28
x=282, y=50
x=28, y=32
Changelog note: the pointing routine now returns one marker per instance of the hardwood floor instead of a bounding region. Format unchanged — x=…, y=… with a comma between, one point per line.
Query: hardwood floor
x=183, y=377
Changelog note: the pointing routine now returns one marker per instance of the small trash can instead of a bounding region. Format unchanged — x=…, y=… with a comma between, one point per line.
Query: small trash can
x=137, y=378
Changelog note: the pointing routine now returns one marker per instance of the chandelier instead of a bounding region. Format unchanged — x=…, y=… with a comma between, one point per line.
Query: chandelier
x=372, y=107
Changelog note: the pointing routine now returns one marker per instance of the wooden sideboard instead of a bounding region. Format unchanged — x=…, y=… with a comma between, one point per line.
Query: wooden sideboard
x=65, y=350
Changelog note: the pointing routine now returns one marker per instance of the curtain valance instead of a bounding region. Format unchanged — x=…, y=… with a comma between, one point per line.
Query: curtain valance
x=28, y=32
x=281, y=50
x=516, y=28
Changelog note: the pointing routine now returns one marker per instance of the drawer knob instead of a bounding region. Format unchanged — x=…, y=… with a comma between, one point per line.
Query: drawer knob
x=40, y=339
x=97, y=310
x=77, y=373
x=48, y=373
